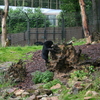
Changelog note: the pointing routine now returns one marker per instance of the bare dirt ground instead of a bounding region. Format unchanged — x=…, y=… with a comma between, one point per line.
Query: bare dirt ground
x=38, y=64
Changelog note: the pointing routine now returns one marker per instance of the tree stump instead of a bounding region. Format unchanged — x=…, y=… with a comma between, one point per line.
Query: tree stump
x=63, y=58
x=17, y=72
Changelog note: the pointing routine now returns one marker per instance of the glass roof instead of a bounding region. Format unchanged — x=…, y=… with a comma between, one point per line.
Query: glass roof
x=44, y=10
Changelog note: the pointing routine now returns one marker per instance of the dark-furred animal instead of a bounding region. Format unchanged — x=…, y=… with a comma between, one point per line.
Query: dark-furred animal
x=47, y=46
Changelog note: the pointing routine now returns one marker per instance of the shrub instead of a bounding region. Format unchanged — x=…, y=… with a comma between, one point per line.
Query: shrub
x=42, y=77
x=79, y=74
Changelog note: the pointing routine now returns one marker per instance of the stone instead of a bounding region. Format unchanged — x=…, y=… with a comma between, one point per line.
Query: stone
x=57, y=86
x=39, y=96
x=52, y=98
x=87, y=98
x=48, y=92
x=18, y=92
x=88, y=93
x=17, y=98
x=92, y=93
x=9, y=91
x=95, y=93
x=33, y=97
x=37, y=86
x=1, y=98
x=74, y=90
x=44, y=98
x=37, y=92
x=89, y=86
x=25, y=94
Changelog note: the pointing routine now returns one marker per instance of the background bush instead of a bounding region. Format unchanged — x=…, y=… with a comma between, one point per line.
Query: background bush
x=17, y=20
x=42, y=77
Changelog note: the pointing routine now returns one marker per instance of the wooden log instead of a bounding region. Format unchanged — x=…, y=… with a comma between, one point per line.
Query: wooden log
x=63, y=58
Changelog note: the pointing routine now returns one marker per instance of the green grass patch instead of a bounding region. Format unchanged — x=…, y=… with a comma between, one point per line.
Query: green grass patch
x=15, y=53
x=79, y=42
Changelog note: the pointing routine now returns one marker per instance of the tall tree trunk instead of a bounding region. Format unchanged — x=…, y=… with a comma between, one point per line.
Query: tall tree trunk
x=56, y=4
x=15, y=3
x=23, y=4
x=95, y=18
x=32, y=3
x=50, y=4
x=84, y=22
x=4, y=28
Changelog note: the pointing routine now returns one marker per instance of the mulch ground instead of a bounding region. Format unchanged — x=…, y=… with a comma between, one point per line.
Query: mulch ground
x=38, y=64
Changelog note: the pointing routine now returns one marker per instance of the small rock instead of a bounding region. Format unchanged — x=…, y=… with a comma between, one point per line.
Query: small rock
x=87, y=80
x=17, y=98
x=18, y=92
x=75, y=90
x=1, y=98
x=57, y=86
x=37, y=86
x=39, y=96
x=95, y=93
x=37, y=92
x=89, y=86
x=9, y=91
x=77, y=84
x=52, y=98
x=94, y=42
x=48, y=92
x=44, y=98
x=92, y=93
x=24, y=94
x=87, y=98
x=88, y=93
x=33, y=97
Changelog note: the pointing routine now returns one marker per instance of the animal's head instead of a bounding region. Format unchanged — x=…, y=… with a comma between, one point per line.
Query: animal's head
x=48, y=43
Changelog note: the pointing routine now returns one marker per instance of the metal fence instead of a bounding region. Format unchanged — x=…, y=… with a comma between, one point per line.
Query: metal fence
x=55, y=29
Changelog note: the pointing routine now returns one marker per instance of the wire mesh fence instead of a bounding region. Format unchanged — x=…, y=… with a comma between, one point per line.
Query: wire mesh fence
x=26, y=30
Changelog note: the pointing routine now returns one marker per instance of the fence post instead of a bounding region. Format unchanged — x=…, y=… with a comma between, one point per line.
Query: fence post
x=28, y=31
x=37, y=30
x=63, y=28
x=45, y=35
x=54, y=30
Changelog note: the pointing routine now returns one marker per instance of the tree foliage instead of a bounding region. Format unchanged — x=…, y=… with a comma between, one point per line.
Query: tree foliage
x=70, y=6
x=17, y=20
x=71, y=12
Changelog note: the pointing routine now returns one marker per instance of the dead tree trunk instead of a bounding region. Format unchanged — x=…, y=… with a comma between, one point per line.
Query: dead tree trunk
x=4, y=28
x=84, y=22
x=63, y=58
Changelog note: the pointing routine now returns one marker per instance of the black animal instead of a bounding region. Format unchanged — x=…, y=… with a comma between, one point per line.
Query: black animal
x=45, y=50
x=38, y=43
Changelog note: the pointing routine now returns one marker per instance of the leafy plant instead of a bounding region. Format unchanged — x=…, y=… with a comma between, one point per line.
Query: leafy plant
x=42, y=77
x=78, y=73
x=91, y=69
